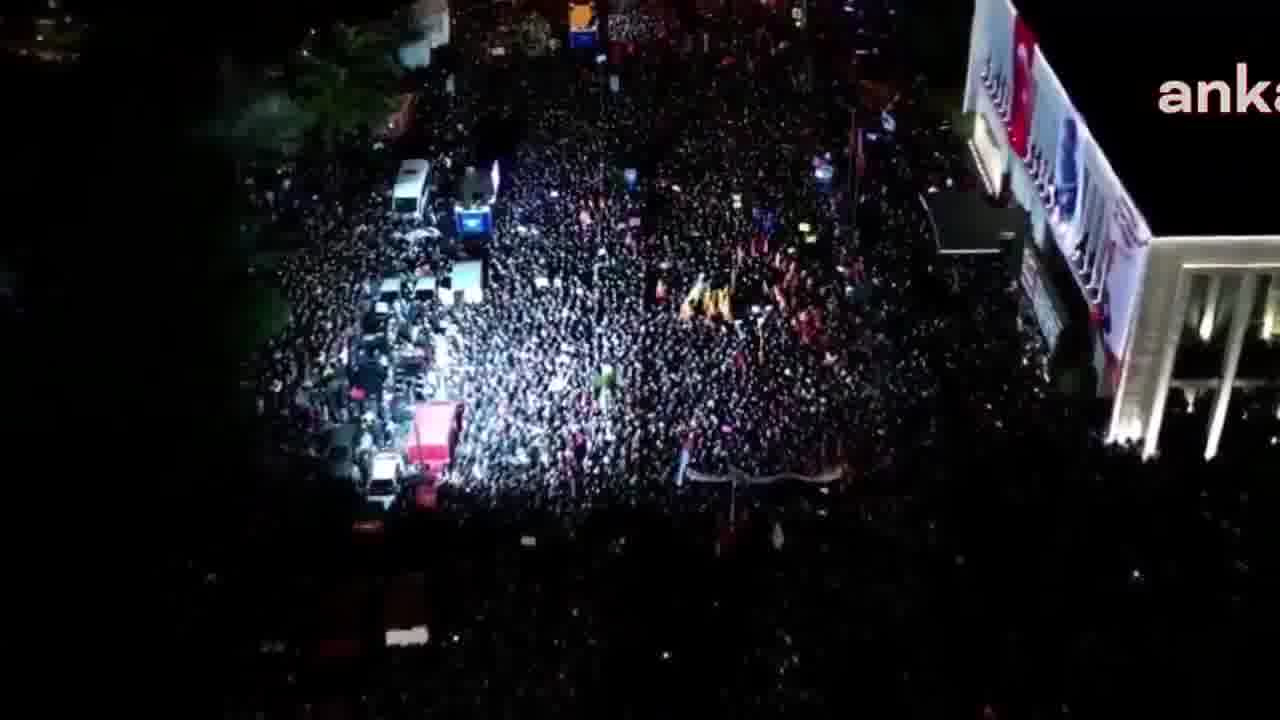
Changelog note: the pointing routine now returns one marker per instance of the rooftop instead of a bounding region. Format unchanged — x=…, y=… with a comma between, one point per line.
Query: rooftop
x=1188, y=174
x=965, y=223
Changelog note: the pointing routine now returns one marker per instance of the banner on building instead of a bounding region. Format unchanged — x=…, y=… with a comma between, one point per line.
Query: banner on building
x=1124, y=261
x=1022, y=104
x=988, y=153
x=1068, y=171
x=1042, y=304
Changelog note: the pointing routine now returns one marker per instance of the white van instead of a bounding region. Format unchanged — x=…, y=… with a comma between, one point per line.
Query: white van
x=384, y=478
x=412, y=191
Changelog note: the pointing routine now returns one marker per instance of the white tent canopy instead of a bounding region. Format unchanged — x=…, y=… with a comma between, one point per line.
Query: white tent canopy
x=390, y=286
x=466, y=277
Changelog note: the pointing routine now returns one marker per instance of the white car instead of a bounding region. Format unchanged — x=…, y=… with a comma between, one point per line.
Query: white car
x=384, y=478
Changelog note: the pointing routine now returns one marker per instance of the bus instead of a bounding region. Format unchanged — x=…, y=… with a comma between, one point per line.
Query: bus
x=412, y=189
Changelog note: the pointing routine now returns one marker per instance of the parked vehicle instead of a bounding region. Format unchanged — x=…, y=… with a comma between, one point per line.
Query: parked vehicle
x=411, y=195
x=340, y=454
x=385, y=475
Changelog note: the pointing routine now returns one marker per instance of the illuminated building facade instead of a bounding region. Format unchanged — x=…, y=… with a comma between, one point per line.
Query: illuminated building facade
x=1171, y=254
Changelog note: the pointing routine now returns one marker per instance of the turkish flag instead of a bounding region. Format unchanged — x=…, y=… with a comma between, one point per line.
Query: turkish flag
x=1023, y=101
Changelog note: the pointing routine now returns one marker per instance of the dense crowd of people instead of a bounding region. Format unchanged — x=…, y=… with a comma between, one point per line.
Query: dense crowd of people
x=707, y=305
x=713, y=316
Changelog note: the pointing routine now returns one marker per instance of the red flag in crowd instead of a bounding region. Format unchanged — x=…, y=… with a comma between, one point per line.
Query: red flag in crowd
x=425, y=496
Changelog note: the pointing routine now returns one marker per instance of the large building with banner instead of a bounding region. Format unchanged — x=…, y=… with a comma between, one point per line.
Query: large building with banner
x=1173, y=253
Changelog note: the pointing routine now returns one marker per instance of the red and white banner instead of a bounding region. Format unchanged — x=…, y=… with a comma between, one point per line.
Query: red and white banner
x=1022, y=104
x=1124, y=262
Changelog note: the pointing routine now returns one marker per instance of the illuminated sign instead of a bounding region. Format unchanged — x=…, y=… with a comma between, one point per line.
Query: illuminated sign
x=478, y=221
x=582, y=18
x=582, y=25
